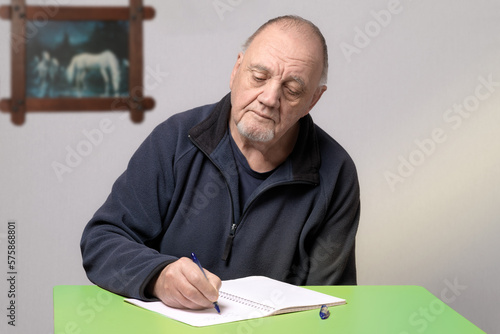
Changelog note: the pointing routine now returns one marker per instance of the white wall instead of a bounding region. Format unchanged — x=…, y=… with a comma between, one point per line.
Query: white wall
x=388, y=100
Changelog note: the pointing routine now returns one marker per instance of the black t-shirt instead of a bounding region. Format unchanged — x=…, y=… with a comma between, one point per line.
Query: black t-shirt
x=249, y=180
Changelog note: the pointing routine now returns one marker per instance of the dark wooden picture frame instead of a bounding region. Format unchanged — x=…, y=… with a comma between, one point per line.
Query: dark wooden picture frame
x=20, y=14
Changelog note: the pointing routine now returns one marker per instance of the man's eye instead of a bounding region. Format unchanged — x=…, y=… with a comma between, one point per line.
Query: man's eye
x=292, y=92
x=259, y=78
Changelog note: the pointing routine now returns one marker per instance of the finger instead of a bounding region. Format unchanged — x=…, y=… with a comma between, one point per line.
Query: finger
x=206, y=292
x=174, y=289
x=193, y=298
x=187, y=296
x=214, y=280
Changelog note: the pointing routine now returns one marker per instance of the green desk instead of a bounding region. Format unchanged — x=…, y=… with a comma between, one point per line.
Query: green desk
x=369, y=309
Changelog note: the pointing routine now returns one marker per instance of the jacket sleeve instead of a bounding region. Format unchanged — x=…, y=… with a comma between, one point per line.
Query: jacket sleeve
x=332, y=251
x=118, y=244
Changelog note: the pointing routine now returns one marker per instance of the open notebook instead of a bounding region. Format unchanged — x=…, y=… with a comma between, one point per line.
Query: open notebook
x=247, y=298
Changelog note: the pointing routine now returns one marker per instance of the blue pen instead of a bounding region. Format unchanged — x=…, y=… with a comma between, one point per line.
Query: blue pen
x=195, y=260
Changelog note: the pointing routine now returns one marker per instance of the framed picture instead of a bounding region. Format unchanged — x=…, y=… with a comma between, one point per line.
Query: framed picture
x=76, y=59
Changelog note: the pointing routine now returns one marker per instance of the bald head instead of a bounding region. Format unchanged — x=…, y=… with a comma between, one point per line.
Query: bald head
x=300, y=25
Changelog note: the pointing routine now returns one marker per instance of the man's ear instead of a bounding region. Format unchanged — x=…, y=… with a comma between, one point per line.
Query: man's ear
x=317, y=95
x=236, y=67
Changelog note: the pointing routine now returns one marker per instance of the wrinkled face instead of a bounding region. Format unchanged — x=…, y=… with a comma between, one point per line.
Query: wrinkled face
x=275, y=83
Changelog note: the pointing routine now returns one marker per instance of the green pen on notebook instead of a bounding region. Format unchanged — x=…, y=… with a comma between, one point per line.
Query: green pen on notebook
x=195, y=260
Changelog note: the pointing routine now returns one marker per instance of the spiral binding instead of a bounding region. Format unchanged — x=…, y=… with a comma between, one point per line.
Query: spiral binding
x=247, y=302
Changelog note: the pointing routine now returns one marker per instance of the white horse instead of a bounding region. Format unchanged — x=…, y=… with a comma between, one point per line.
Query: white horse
x=103, y=62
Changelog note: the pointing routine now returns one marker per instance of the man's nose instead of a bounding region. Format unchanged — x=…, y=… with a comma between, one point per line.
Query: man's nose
x=271, y=95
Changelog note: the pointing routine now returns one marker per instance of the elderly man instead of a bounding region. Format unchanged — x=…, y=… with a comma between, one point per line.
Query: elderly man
x=250, y=184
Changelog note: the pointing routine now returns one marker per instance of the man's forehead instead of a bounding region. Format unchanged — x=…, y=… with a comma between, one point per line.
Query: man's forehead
x=301, y=34
x=298, y=47
x=277, y=33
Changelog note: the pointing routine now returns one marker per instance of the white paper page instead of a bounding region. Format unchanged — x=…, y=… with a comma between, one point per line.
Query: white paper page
x=230, y=311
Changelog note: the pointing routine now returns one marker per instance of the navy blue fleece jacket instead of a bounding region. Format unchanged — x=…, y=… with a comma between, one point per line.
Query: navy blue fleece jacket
x=179, y=194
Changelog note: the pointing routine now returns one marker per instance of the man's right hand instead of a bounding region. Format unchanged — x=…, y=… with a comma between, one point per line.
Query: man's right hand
x=181, y=284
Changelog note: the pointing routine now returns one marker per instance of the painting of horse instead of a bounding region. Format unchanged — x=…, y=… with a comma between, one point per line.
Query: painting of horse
x=78, y=59
x=105, y=64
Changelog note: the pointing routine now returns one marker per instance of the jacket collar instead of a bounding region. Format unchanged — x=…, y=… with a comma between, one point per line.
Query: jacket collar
x=305, y=158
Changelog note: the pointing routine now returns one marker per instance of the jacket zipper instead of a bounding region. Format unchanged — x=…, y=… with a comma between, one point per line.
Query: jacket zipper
x=229, y=242
x=230, y=237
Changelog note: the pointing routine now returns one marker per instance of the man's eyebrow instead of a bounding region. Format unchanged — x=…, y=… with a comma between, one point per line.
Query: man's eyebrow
x=260, y=68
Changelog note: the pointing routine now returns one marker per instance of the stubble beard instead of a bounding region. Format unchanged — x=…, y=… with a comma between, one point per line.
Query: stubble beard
x=252, y=133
